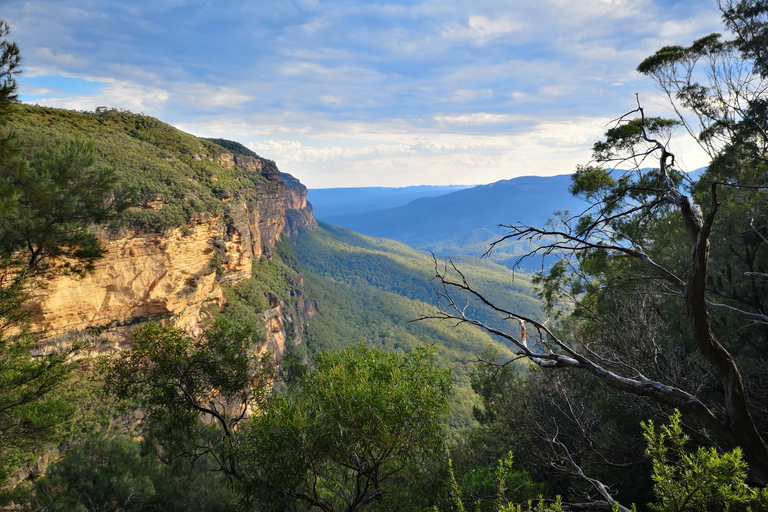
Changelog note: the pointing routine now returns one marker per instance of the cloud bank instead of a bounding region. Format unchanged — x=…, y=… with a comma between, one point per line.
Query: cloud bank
x=363, y=93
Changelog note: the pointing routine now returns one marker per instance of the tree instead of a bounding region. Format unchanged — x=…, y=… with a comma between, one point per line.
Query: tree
x=700, y=481
x=46, y=209
x=58, y=196
x=557, y=424
x=102, y=475
x=186, y=383
x=647, y=239
x=114, y=474
x=336, y=439
x=502, y=474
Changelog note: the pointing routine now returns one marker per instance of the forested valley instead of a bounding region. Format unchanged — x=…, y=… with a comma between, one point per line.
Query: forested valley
x=289, y=365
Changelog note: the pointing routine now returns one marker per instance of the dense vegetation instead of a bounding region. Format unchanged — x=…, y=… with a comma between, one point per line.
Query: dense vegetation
x=371, y=290
x=645, y=384
x=154, y=162
x=466, y=221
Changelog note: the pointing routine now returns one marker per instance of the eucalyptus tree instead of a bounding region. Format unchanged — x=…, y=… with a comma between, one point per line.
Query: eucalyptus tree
x=655, y=244
x=47, y=206
x=344, y=432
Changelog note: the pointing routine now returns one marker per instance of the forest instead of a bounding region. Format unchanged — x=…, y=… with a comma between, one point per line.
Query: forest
x=639, y=383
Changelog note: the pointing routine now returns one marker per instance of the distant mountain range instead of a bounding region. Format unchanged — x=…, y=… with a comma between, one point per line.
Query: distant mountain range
x=457, y=222
x=332, y=202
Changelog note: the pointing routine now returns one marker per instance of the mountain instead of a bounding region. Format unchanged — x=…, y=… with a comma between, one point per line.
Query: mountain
x=466, y=221
x=370, y=290
x=205, y=234
x=330, y=202
x=204, y=215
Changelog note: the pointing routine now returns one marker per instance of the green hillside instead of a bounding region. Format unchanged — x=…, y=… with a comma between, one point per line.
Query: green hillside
x=391, y=266
x=370, y=290
x=467, y=221
x=154, y=161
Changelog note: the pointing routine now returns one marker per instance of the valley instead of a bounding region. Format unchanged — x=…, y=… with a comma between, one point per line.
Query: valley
x=186, y=327
x=457, y=222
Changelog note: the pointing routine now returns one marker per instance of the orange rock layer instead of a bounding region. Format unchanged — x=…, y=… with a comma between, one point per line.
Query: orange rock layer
x=174, y=275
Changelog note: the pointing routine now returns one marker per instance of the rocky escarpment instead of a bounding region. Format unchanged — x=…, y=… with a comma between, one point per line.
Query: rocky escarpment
x=298, y=209
x=177, y=275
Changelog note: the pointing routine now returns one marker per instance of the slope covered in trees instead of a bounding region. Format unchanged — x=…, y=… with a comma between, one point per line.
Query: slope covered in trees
x=466, y=221
x=644, y=385
x=152, y=160
x=370, y=290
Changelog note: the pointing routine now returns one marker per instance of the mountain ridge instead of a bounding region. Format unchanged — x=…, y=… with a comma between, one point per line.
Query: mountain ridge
x=438, y=224
x=201, y=217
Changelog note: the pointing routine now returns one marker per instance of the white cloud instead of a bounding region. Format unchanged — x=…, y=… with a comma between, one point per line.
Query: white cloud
x=134, y=71
x=471, y=94
x=328, y=99
x=207, y=97
x=585, y=10
x=480, y=29
x=555, y=90
x=33, y=90
x=304, y=68
x=381, y=156
x=519, y=95
x=315, y=25
x=479, y=118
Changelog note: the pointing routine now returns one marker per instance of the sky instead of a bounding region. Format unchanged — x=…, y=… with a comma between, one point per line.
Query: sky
x=360, y=92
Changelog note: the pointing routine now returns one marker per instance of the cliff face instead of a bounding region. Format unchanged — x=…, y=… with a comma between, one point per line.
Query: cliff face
x=298, y=209
x=176, y=276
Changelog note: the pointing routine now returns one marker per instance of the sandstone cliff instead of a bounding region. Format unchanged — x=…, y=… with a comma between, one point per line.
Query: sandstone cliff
x=298, y=209
x=176, y=275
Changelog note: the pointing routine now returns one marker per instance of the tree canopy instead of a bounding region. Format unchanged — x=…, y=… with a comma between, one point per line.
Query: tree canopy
x=661, y=285
x=336, y=439
x=47, y=206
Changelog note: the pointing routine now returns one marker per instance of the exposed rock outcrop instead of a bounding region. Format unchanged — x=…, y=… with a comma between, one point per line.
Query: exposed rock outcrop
x=298, y=210
x=176, y=276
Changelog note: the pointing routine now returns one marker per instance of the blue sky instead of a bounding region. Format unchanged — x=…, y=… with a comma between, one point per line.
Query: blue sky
x=365, y=93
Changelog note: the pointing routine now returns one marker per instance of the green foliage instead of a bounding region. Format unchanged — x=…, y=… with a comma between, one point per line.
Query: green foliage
x=699, y=481
x=476, y=242
x=10, y=62
x=102, y=474
x=170, y=176
x=504, y=479
x=390, y=266
x=369, y=290
x=673, y=55
x=626, y=137
x=234, y=147
x=336, y=439
x=112, y=474
x=58, y=196
x=31, y=413
x=184, y=382
x=747, y=20
x=520, y=411
x=591, y=181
